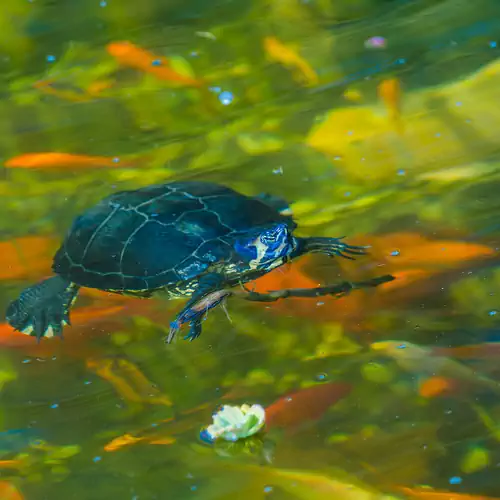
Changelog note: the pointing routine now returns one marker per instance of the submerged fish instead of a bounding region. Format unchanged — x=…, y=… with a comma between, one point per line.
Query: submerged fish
x=128, y=381
x=305, y=405
x=128, y=54
x=432, y=494
x=25, y=257
x=9, y=492
x=308, y=485
x=287, y=56
x=70, y=92
x=389, y=91
x=60, y=160
x=488, y=350
x=439, y=386
x=420, y=360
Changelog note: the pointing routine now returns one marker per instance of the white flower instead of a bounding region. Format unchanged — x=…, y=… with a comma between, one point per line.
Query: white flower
x=232, y=423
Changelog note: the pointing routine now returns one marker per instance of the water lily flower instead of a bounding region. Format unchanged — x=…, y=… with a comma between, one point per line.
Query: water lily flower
x=232, y=423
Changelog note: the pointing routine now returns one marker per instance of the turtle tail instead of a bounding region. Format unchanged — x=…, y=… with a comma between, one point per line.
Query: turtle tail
x=43, y=309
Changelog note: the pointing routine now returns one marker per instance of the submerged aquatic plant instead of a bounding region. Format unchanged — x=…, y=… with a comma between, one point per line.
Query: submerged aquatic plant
x=232, y=423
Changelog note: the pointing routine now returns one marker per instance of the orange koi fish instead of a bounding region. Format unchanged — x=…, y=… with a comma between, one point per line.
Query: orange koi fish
x=488, y=350
x=420, y=360
x=415, y=256
x=70, y=92
x=309, y=485
x=305, y=405
x=128, y=381
x=409, y=257
x=166, y=429
x=432, y=494
x=9, y=492
x=290, y=58
x=389, y=92
x=62, y=160
x=73, y=343
x=92, y=313
x=128, y=439
x=25, y=257
x=128, y=54
x=438, y=386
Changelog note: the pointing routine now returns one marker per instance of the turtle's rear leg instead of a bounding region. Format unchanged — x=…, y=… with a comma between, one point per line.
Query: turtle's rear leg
x=330, y=246
x=43, y=309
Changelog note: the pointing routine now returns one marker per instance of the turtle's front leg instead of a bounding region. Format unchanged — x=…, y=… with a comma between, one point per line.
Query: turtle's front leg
x=208, y=295
x=329, y=246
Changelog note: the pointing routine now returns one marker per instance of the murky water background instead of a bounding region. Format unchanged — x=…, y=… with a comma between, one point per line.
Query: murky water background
x=377, y=120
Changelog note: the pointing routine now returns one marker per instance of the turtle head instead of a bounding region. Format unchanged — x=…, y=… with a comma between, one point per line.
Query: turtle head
x=265, y=245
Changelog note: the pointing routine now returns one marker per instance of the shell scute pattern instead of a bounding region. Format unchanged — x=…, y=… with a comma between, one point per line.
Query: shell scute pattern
x=156, y=236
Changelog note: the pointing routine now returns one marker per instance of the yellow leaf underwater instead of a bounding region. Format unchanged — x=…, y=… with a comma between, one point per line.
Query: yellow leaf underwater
x=435, y=121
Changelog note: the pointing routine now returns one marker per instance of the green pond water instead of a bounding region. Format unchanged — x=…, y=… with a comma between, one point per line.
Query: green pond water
x=285, y=102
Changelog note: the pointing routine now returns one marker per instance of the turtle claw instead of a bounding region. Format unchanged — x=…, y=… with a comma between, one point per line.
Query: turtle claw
x=42, y=310
x=183, y=318
x=334, y=247
x=194, y=330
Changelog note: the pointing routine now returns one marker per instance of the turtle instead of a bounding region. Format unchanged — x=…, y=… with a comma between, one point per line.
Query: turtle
x=186, y=238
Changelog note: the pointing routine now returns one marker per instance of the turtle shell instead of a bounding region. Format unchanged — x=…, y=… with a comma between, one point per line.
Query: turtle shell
x=158, y=235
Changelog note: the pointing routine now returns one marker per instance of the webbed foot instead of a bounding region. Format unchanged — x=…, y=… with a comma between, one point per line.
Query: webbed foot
x=194, y=330
x=43, y=309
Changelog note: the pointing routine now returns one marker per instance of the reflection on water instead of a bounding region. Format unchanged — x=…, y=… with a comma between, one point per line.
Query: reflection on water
x=377, y=120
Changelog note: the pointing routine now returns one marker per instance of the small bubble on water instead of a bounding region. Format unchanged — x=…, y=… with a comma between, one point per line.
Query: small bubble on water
x=54, y=406
x=395, y=253
x=194, y=487
x=103, y=3
x=226, y=97
x=268, y=489
x=401, y=172
x=116, y=159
